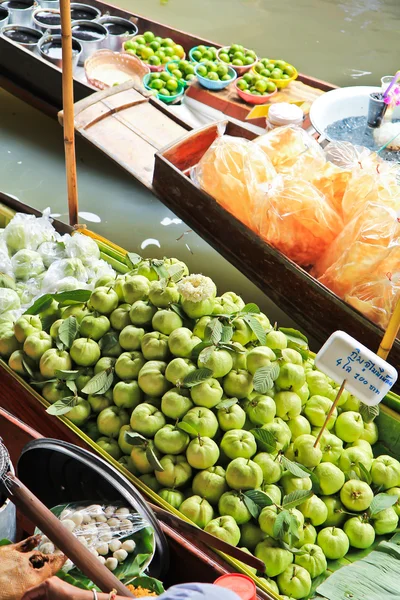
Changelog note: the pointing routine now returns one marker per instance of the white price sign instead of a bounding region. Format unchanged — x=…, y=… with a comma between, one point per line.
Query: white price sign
x=368, y=376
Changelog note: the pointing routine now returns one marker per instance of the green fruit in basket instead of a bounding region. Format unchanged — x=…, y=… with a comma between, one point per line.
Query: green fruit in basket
x=207, y=55
x=356, y=495
x=160, y=54
x=140, y=460
x=178, y=369
x=224, y=528
x=243, y=474
x=299, y=426
x=270, y=466
x=135, y=288
x=201, y=49
x=130, y=337
x=238, y=383
x=155, y=346
x=54, y=360
x=168, y=52
x=276, y=559
x=284, y=76
x=271, y=87
x=36, y=344
x=265, y=73
x=230, y=418
x=85, y=352
x=276, y=74
x=238, y=443
x=152, y=379
x=140, y=40
x=129, y=364
x=130, y=45
x=237, y=62
x=124, y=446
x=349, y=426
x=16, y=362
x=248, y=60
x=210, y=484
x=55, y=391
x=94, y=326
x=148, y=36
x=177, y=73
x=110, y=446
x=127, y=394
x=289, y=70
x=141, y=313
x=203, y=421
x=219, y=361
x=150, y=480
x=100, y=402
x=352, y=457
x=166, y=321
x=224, y=57
x=202, y=453
x=281, y=432
x=202, y=70
x=120, y=318
x=26, y=325
x=154, y=61
x=147, y=420
x=207, y=394
x=176, y=403
x=248, y=78
x=261, y=86
x=111, y=419
x=155, y=45
x=177, y=471
x=173, y=497
x=305, y=452
x=103, y=300
x=171, y=440
x=360, y=533
x=251, y=535
x=190, y=77
x=172, y=86
x=242, y=85
x=182, y=341
x=80, y=413
x=212, y=76
x=232, y=504
x=146, y=53
x=288, y=404
x=106, y=362
x=385, y=472
x=336, y=511
x=197, y=56
x=189, y=69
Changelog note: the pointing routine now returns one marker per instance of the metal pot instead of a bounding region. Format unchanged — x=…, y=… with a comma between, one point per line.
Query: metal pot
x=8, y=519
x=20, y=11
x=71, y=474
x=4, y=16
x=119, y=31
x=41, y=26
x=49, y=3
x=49, y=42
x=96, y=31
x=24, y=36
x=84, y=12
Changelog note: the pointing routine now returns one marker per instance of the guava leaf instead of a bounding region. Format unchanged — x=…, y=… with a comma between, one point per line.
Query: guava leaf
x=315, y=486
x=232, y=347
x=251, y=506
x=71, y=385
x=196, y=377
x=213, y=331
x=40, y=305
x=134, y=438
x=175, y=273
x=302, y=350
x=294, y=335
x=100, y=383
x=265, y=440
x=226, y=333
x=72, y=297
x=47, y=322
x=364, y=473
x=282, y=524
x=67, y=375
x=227, y=403
x=256, y=328
x=153, y=460
x=369, y=413
x=264, y=377
x=108, y=341
x=179, y=311
x=187, y=428
x=315, y=583
x=200, y=347
x=63, y=406
x=295, y=498
x=381, y=502
x=294, y=468
x=160, y=269
x=250, y=308
x=68, y=331
x=27, y=368
x=260, y=498
x=132, y=259
x=351, y=475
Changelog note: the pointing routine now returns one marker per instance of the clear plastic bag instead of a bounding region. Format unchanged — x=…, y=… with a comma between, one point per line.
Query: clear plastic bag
x=107, y=530
x=292, y=151
x=297, y=220
x=52, y=251
x=332, y=181
x=28, y=232
x=237, y=174
x=81, y=246
x=359, y=249
x=61, y=269
x=27, y=264
x=9, y=300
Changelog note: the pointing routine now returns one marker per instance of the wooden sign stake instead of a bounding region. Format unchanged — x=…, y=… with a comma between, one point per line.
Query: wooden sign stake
x=68, y=108
x=385, y=346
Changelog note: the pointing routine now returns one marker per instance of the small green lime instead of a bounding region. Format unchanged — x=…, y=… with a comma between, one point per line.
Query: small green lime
x=261, y=85
x=256, y=93
x=271, y=87
x=284, y=76
x=168, y=42
x=172, y=85
x=239, y=55
x=251, y=53
x=222, y=70
x=147, y=52
x=189, y=69
x=281, y=64
x=154, y=76
x=158, y=39
x=265, y=61
x=201, y=49
x=265, y=73
x=165, y=76
x=212, y=76
x=207, y=55
x=237, y=62
x=157, y=84
x=212, y=67
x=190, y=77
x=248, y=60
x=154, y=61
x=168, y=51
x=235, y=48
x=130, y=45
x=224, y=57
x=213, y=51
x=289, y=70
x=242, y=85
x=160, y=54
x=258, y=67
x=164, y=92
x=196, y=55
x=140, y=40
x=177, y=73
x=148, y=36
x=248, y=77
x=226, y=77
x=202, y=70
x=154, y=46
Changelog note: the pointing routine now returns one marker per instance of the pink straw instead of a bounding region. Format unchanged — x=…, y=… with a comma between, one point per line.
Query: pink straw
x=391, y=84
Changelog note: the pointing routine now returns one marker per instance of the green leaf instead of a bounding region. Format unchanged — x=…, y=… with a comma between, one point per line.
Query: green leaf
x=226, y=333
x=232, y=347
x=67, y=375
x=196, y=377
x=71, y=385
x=148, y=583
x=294, y=335
x=63, y=406
x=294, y=468
x=153, y=460
x=187, y=428
x=315, y=584
x=72, y=297
x=213, y=331
x=160, y=269
x=381, y=502
x=40, y=305
x=135, y=439
x=179, y=311
x=364, y=473
x=108, y=341
x=100, y=383
x=227, y=403
x=132, y=259
x=264, y=377
x=175, y=273
x=256, y=328
x=27, y=367
x=68, y=331
x=261, y=499
x=47, y=322
x=250, y=308
x=265, y=440
x=302, y=350
x=200, y=347
x=315, y=486
x=369, y=413
x=295, y=498
x=351, y=475
x=282, y=524
x=5, y=542
x=251, y=506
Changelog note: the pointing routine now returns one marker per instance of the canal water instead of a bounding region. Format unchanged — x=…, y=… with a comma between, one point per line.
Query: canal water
x=347, y=42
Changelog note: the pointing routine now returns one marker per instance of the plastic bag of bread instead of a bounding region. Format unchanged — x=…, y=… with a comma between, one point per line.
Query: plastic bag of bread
x=298, y=221
x=347, y=156
x=359, y=249
x=237, y=173
x=377, y=296
x=332, y=181
x=292, y=151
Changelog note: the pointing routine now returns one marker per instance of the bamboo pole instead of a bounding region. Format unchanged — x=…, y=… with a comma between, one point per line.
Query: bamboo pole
x=68, y=108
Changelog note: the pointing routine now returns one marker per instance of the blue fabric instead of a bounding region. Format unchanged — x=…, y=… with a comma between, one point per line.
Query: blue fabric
x=198, y=591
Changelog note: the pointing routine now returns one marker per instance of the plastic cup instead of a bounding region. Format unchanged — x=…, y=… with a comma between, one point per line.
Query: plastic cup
x=376, y=110
x=242, y=585
x=385, y=82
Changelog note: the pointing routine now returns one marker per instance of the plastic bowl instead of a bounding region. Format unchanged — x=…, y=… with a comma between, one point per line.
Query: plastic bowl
x=153, y=68
x=167, y=99
x=194, y=50
x=215, y=85
x=281, y=83
x=182, y=81
x=250, y=98
x=239, y=70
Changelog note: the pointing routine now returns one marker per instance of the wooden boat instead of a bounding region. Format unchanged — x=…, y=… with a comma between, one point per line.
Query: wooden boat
x=201, y=564
x=38, y=82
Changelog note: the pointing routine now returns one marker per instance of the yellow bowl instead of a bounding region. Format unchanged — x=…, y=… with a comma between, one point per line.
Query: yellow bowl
x=280, y=83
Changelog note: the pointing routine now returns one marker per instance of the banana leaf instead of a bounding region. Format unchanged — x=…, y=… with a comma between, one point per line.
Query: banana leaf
x=389, y=428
